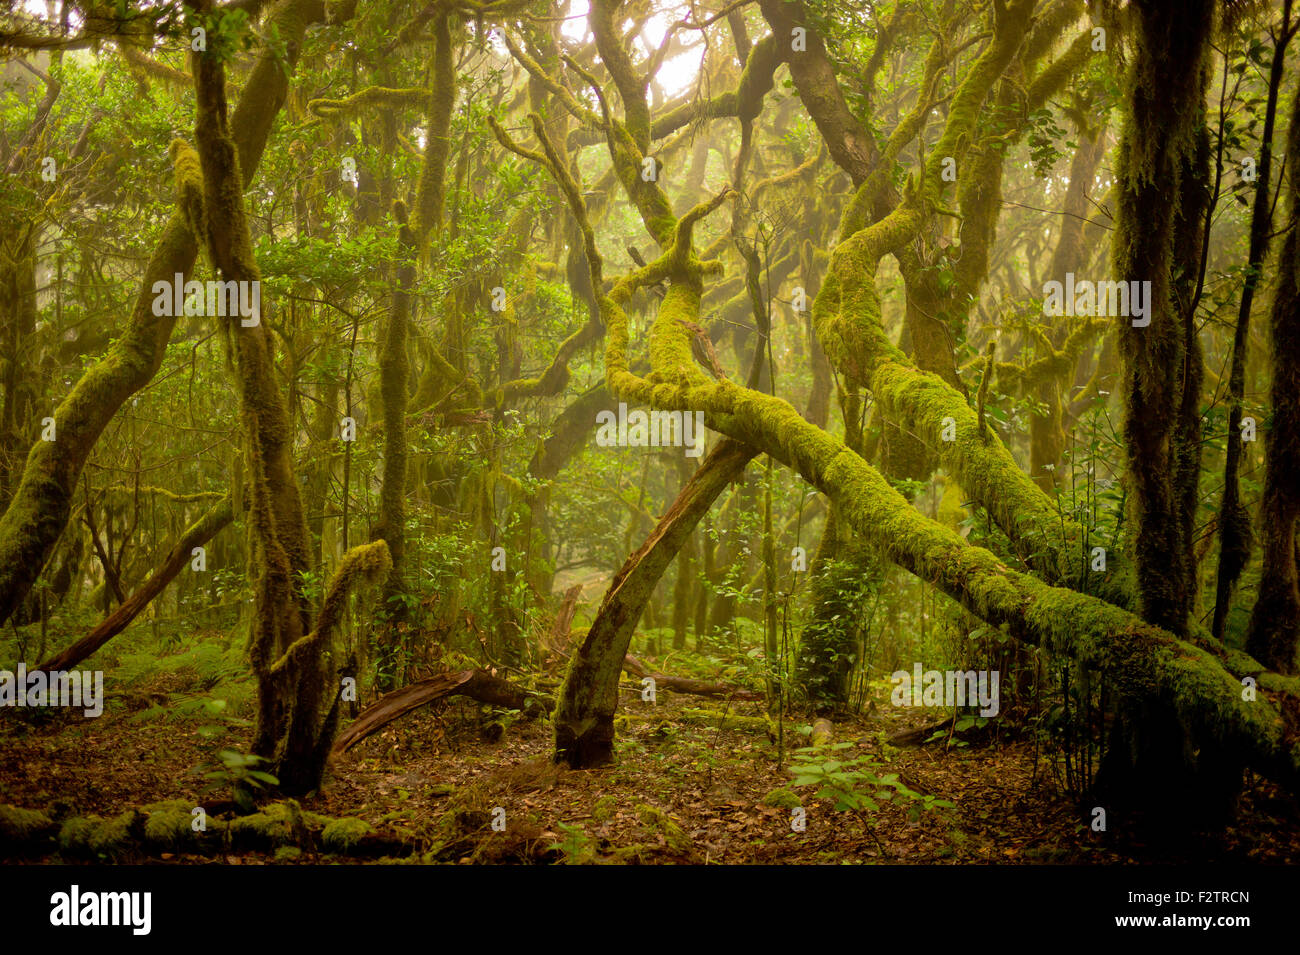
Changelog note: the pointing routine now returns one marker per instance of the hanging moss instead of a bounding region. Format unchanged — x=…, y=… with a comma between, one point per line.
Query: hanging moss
x=370, y=97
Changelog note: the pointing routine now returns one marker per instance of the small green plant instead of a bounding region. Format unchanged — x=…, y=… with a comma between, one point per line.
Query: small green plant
x=240, y=772
x=855, y=784
x=962, y=724
x=575, y=846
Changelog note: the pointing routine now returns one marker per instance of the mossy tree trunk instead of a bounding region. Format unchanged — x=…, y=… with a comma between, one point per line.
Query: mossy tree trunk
x=394, y=368
x=1162, y=196
x=18, y=315
x=1274, y=634
x=297, y=699
x=1161, y=204
x=1236, y=538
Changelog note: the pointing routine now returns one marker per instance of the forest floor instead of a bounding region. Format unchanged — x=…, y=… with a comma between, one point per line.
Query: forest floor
x=695, y=782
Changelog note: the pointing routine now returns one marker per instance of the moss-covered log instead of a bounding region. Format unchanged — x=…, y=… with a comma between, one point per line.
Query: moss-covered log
x=168, y=827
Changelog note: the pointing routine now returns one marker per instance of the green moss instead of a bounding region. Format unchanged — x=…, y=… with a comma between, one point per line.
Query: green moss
x=604, y=807
x=782, y=799
x=94, y=835
x=659, y=821
x=75, y=834
x=266, y=829
x=23, y=825
x=636, y=854
x=670, y=340
x=372, y=96
x=113, y=836
x=186, y=169
x=169, y=824
x=288, y=854
x=341, y=835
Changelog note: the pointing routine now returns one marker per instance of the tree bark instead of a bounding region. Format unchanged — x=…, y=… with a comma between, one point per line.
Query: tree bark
x=293, y=728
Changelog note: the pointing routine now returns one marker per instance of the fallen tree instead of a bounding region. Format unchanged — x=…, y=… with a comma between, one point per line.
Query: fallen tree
x=689, y=685
x=476, y=684
x=167, y=827
x=485, y=687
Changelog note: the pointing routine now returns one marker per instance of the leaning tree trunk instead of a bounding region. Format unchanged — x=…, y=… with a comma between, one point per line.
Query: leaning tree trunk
x=584, y=715
x=197, y=535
